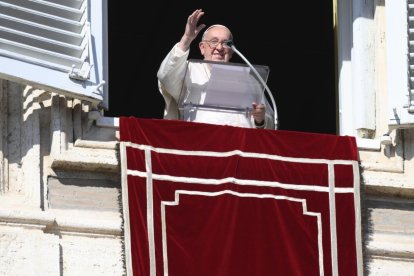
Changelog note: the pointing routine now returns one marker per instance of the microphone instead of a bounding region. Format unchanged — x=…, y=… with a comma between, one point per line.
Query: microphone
x=230, y=44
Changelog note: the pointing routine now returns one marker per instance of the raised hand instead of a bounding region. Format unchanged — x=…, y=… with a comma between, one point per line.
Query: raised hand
x=192, y=29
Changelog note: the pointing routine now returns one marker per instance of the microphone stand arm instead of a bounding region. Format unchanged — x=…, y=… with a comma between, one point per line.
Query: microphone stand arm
x=260, y=79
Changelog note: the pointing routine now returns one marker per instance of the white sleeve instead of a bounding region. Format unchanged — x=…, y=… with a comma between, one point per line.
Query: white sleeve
x=170, y=78
x=171, y=72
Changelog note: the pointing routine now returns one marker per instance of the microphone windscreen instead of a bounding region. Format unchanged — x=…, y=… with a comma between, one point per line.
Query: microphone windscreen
x=229, y=43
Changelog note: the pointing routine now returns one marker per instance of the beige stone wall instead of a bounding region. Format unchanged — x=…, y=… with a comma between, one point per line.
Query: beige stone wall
x=387, y=180
x=60, y=203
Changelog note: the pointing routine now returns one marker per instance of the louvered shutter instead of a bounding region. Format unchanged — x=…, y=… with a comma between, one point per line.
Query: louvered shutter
x=400, y=62
x=56, y=44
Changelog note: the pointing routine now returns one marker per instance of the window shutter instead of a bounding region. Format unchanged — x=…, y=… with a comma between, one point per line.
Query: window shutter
x=56, y=44
x=400, y=62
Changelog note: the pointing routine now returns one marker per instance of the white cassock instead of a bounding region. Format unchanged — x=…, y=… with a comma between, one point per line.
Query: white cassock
x=173, y=79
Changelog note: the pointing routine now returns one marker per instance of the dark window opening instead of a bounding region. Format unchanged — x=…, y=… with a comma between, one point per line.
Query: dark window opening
x=295, y=41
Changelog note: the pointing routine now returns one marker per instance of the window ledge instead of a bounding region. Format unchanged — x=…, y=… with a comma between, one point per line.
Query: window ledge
x=362, y=143
x=368, y=144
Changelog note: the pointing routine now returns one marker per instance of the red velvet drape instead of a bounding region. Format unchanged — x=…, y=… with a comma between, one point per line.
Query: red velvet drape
x=219, y=200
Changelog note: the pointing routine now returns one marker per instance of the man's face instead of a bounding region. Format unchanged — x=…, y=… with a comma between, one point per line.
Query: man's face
x=213, y=47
